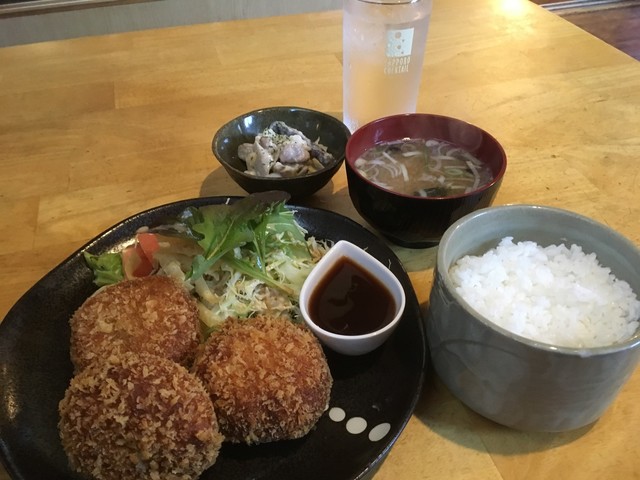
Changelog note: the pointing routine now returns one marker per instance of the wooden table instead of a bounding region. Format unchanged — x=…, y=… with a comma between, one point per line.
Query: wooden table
x=95, y=129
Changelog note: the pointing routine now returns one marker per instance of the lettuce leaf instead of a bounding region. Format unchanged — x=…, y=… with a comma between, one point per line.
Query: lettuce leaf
x=107, y=268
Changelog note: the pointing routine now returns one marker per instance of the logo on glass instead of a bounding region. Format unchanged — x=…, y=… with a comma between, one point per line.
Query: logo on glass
x=398, y=52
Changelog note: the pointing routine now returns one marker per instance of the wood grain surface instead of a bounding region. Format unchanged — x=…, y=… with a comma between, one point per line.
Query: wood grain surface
x=96, y=129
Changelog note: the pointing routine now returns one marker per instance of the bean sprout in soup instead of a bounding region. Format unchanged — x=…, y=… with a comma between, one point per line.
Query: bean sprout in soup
x=425, y=168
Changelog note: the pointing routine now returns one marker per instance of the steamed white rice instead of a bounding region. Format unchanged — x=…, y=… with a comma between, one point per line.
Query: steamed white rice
x=555, y=295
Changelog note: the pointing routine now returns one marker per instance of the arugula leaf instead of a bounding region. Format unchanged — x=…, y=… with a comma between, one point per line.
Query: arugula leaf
x=222, y=228
x=279, y=230
x=107, y=268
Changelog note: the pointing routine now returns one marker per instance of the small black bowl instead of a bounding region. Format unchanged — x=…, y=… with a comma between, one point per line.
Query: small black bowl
x=327, y=130
x=413, y=221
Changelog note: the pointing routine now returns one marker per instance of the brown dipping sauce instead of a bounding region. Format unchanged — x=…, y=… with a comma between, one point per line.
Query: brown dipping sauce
x=351, y=301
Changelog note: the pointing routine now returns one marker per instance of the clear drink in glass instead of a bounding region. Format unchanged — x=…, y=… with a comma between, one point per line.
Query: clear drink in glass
x=383, y=52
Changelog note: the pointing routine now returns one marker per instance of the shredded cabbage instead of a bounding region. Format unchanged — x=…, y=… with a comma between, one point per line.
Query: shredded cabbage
x=223, y=291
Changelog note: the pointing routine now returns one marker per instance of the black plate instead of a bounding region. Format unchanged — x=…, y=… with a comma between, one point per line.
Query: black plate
x=381, y=387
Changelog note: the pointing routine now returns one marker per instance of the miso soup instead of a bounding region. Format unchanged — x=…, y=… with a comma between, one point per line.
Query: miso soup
x=425, y=168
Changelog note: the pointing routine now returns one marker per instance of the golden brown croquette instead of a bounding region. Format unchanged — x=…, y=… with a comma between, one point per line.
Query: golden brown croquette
x=151, y=314
x=138, y=416
x=268, y=379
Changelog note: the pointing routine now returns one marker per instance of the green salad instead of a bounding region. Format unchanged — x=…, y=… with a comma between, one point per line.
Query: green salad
x=238, y=259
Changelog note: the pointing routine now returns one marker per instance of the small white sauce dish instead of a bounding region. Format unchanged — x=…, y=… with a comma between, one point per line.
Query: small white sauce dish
x=351, y=344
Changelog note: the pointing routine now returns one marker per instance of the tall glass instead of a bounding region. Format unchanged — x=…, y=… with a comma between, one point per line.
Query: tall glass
x=383, y=52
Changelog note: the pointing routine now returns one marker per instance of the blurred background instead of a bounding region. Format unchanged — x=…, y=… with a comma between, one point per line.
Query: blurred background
x=614, y=21
x=617, y=22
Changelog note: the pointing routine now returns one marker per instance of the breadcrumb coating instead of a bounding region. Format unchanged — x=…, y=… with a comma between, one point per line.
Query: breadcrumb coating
x=268, y=379
x=151, y=314
x=138, y=416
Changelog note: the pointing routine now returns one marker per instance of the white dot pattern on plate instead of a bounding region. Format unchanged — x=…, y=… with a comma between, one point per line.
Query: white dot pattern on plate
x=378, y=432
x=337, y=414
x=357, y=425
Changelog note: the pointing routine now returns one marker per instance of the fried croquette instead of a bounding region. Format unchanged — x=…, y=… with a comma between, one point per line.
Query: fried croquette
x=138, y=416
x=268, y=379
x=151, y=314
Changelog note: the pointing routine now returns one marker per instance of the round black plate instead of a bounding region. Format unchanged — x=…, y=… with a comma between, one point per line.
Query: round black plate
x=381, y=387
